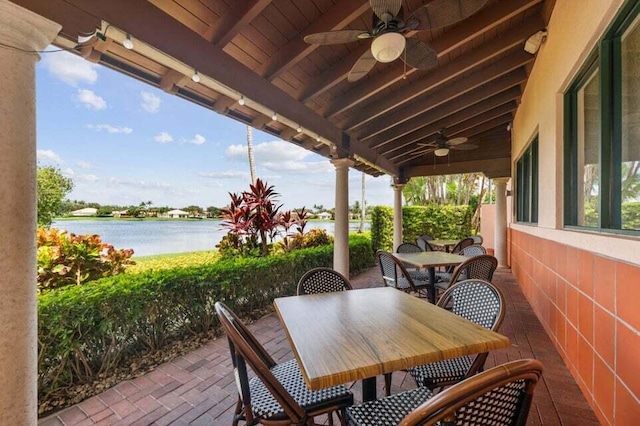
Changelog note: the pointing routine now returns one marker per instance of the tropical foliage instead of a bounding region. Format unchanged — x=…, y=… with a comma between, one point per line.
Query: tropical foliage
x=66, y=259
x=52, y=188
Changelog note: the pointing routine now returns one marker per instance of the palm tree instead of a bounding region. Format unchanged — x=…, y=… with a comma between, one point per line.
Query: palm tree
x=252, y=161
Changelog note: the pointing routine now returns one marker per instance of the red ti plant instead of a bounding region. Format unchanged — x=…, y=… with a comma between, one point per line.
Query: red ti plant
x=252, y=217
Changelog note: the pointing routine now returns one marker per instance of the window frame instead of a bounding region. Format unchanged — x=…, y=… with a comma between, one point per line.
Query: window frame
x=606, y=58
x=526, y=184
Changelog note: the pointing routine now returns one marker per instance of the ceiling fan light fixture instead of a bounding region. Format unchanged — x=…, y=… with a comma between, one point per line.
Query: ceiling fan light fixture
x=388, y=47
x=441, y=152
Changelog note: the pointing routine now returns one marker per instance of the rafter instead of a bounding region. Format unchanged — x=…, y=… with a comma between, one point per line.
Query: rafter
x=172, y=81
x=464, y=64
x=238, y=17
x=337, y=17
x=486, y=92
x=482, y=23
x=386, y=125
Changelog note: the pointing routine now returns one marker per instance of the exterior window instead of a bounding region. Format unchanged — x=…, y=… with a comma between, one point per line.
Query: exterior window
x=527, y=185
x=602, y=132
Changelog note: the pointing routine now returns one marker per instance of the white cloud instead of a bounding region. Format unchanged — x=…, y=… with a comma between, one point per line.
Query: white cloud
x=110, y=129
x=163, y=137
x=48, y=156
x=150, y=102
x=84, y=164
x=132, y=183
x=233, y=174
x=70, y=68
x=197, y=140
x=91, y=100
x=68, y=171
x=300, y=167
x=88, y=178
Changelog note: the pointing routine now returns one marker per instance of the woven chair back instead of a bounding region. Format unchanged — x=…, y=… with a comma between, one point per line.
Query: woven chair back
x=476, y=300
x=472, y=251
x=245, y=349
x=393, y=270
x=500, y=396
x=426, y=237
x=462, y=244
x=322, y=280
x=424, y=244
x=409, y=248
x=479, y=267
x=477, y=239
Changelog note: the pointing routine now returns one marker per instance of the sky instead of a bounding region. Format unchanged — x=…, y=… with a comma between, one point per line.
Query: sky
x=123, y=142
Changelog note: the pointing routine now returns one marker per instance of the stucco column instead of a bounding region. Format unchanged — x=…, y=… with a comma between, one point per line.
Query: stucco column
x=341, y=223
x=397, y=214
x=24, y=30
x=500, y=228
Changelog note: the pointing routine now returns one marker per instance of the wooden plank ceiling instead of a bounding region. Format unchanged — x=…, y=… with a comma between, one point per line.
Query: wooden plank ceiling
x=255, y=49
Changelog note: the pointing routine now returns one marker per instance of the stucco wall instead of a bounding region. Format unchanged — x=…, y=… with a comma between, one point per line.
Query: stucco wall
x=549, y=282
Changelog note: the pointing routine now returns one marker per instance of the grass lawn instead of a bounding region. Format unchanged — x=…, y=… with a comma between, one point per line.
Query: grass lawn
x=173, y=260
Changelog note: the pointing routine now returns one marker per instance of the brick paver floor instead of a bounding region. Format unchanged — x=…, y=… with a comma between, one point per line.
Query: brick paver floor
x=199, y=388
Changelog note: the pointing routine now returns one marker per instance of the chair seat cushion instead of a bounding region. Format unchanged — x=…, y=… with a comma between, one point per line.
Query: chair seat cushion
x=442, y=371
x=419, y=276
x=387, y=411
x=288, y=374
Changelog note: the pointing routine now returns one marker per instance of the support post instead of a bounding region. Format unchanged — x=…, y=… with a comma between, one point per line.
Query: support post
x=500, y=228
x=397, y=213
x=341, y=222
x=25, y=32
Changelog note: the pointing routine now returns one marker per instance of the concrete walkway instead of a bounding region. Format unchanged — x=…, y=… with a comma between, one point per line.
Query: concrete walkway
x=199, y=388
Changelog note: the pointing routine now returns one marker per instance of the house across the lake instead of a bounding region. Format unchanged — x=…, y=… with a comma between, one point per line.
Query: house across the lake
x=324, y=215
x=176, y=214
x=88, y=211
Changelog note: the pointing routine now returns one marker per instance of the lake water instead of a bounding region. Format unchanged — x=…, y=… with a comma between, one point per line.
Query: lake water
x=163, y=236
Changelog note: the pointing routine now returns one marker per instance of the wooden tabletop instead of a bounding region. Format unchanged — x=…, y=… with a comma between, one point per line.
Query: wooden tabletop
x=351, y=335
x=430, y=259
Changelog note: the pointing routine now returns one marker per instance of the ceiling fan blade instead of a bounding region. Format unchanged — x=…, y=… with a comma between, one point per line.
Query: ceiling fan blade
x=337, y=37
x=362, y=66
x=420, y=55
x=442, y=13
x=457, y=141
x=465, y=147
x=379, y=7
x=432, y=143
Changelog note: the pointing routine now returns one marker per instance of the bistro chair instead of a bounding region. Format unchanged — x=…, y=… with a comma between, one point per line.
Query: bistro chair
x=477, y=239
x=416, y=273
x=500, y=396
x=462, y=244
x=278, y=394
x=322, y=280
x=424, y=244
x=479, y=267
x=478, y=301
x=426, y=237
x=470, y=251
x=394, y=274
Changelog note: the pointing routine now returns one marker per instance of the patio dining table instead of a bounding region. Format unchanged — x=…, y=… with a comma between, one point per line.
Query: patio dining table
x=446, y=244
x=430, y=260
x=359, y=334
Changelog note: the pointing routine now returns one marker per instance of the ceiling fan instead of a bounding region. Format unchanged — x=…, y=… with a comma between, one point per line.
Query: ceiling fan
x=441, y=145
x=389, y=29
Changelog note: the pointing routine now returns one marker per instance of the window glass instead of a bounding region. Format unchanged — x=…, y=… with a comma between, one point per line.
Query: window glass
x=630, y=149
x=588, y=132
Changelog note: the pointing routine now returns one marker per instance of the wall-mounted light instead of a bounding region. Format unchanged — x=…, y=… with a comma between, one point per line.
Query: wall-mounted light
x=128, y=43
x=534, y=42
x=241, y=101
x=195, y=77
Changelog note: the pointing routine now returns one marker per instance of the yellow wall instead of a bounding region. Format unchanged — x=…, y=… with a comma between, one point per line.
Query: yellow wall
x=583, y=285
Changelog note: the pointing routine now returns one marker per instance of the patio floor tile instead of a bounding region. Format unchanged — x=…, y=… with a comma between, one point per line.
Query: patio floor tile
x=199, y=388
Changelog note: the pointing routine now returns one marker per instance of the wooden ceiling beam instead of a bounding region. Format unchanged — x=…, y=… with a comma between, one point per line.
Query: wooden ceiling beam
x=499, y=74
x=440, y=76
x=74, y=20
x=172, y=81
x=455, y=125
x=473, y=29
x=336, y=17
x=223, y=104
x=238, y=17
x=179, y=42
x=481, y=99
x=493, y=166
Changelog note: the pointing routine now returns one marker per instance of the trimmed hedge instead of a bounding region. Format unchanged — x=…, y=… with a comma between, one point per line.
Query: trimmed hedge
x=440, y=221
x=86, y=331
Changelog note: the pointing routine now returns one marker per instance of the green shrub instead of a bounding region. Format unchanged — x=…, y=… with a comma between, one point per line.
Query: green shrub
x=85, y=331
x=440, y=221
